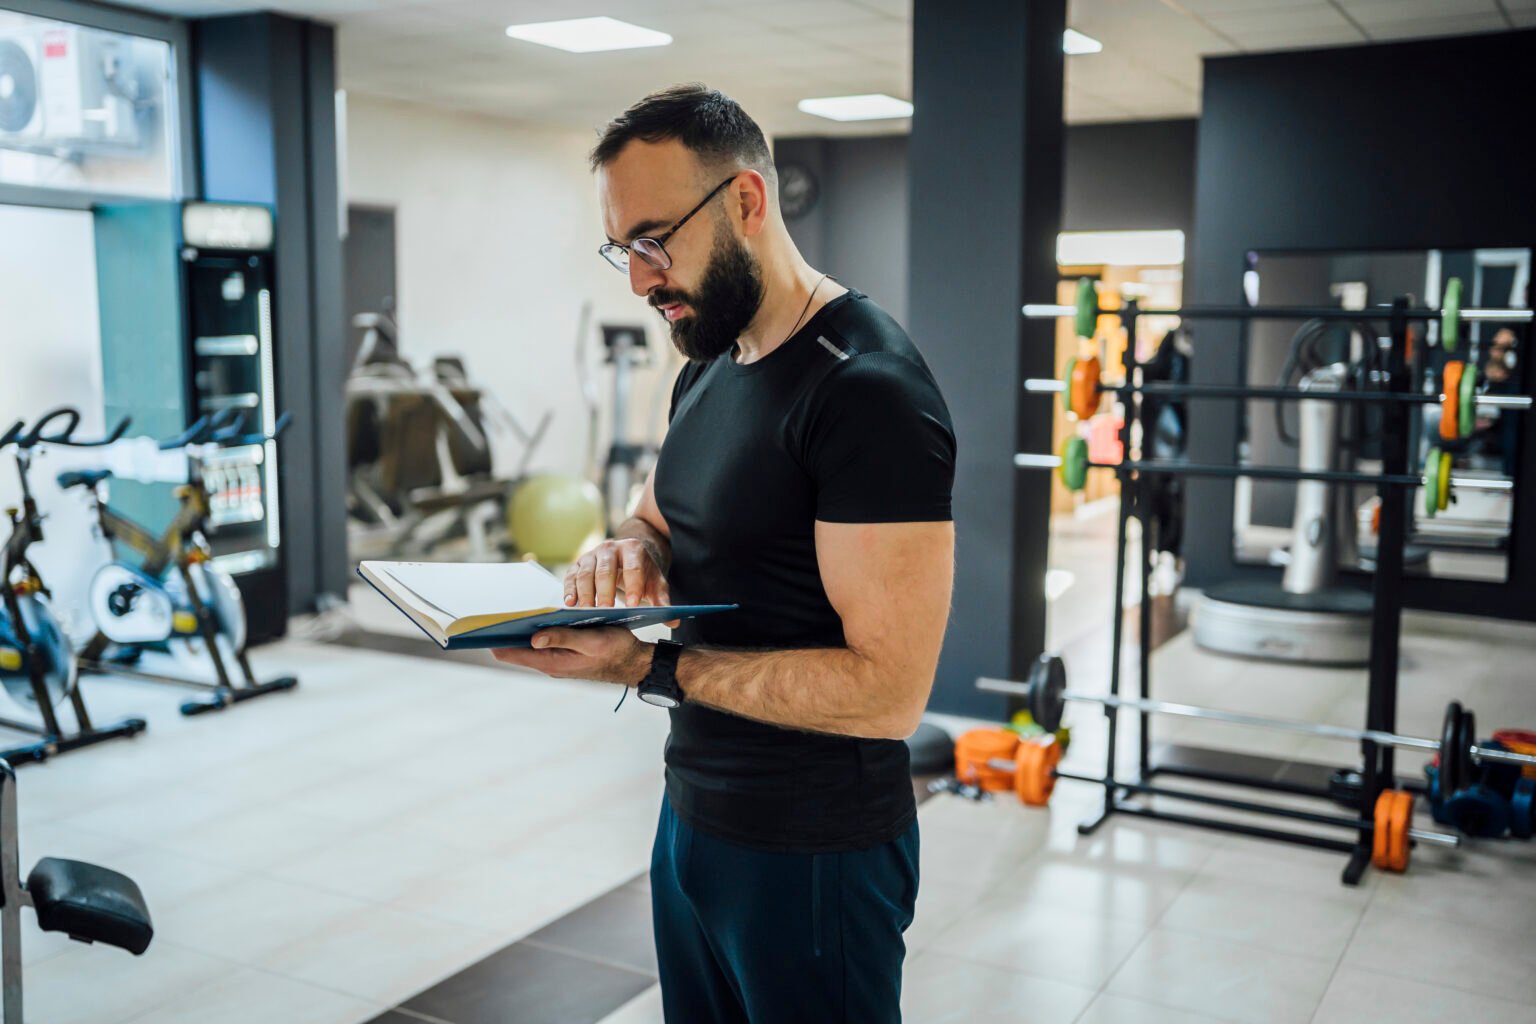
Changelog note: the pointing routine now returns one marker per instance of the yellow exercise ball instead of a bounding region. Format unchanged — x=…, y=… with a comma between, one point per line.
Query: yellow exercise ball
x=555, y=518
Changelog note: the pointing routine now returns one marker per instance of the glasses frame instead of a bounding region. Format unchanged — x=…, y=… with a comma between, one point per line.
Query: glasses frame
x=609, y=251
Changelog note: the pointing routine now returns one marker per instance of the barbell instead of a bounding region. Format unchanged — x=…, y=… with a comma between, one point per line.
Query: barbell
x=996, y=760
x=1085, y=312
x=1046, y=697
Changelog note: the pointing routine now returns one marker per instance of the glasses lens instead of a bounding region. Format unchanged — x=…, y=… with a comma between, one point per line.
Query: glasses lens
x=617, y=255
x=651, y=251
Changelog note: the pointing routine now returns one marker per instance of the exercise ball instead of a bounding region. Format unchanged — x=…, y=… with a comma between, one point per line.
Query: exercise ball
x=555, y=518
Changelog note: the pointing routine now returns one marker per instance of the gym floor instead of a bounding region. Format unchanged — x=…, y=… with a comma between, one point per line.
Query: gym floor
x=415, y=838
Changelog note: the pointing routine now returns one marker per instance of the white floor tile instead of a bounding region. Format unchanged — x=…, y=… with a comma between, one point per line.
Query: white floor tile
x=247, y=922
x=384, y=956
x=98, y=985
x=1220, y=978
x=1488, y=961
x=940, y=989
x=1108, y=1009
x=1128, y=893
x=1358, y=995
x=645, y=1008
x=1251, y=912
x=1297, y=869
x=1076, y=948
x=247, y=995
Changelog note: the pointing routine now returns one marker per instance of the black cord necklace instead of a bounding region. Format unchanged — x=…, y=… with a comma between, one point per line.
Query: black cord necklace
x=808, y=300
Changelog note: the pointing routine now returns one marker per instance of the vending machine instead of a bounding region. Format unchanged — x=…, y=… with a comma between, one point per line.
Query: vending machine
x=186, y=296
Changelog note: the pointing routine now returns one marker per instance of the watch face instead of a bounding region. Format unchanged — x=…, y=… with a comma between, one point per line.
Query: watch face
x=661, y=700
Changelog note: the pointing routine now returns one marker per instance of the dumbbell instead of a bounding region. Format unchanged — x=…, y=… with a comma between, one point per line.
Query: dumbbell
x=997, y=761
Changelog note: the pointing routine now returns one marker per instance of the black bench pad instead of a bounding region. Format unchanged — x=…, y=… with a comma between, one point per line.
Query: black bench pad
x=90, y=903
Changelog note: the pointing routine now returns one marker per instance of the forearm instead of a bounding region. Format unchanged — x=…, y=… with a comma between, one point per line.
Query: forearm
x=832, y=690
x=656, y=542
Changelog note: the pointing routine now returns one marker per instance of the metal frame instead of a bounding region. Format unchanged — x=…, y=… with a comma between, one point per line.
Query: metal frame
x=170, y=30
x=1393, y=486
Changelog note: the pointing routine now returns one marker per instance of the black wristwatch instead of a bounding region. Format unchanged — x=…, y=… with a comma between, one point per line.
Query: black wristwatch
x=659, y=687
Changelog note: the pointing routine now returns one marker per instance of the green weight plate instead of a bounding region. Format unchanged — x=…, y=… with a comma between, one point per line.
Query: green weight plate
x=1066, y=384
x=1087, y=307
x=1467, y=409
x=1443, y=494
x=1450, y=315
x=1074, y=465
x=1432, y=482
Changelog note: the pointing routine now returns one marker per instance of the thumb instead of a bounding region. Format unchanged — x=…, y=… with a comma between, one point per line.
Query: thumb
x=568, y=639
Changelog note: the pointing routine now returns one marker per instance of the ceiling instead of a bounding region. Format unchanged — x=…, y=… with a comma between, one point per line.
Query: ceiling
x=771, y=53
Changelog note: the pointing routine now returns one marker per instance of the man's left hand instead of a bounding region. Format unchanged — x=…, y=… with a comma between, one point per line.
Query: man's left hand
x=607, y=654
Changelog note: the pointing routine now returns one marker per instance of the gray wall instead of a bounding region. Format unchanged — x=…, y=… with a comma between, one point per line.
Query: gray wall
x=1117, y=177
x=1341, y=148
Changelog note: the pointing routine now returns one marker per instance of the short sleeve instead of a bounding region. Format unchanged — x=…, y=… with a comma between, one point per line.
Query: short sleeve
x=879, y=444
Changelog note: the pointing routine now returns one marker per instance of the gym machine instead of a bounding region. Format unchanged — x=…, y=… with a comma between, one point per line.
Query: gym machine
x=1382, y=822
x=87, y=902
x=177, y=593
x=37, y=664
x=421, y=470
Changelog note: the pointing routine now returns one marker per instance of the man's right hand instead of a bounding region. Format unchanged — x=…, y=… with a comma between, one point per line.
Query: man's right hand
x=626, y=566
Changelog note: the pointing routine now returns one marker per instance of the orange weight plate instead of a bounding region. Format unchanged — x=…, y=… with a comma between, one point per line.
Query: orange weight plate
x=1380, y=833
x=1085, y=387
x=1402, y=819
x=1450, y=404
x=975, y=748
x=1034, y=775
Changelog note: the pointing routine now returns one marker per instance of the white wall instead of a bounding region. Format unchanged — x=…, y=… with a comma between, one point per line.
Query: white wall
x=497, y=232
x=51, y=348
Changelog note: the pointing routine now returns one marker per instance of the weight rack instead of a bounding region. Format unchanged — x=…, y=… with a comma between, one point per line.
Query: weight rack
x=1394, y=484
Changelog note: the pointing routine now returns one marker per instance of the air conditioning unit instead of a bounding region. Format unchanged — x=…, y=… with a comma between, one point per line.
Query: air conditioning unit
x=21, y=115
x=69, y=88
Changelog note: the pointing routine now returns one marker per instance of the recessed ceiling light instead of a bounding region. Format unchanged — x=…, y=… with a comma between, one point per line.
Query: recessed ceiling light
x=869, y=107
x=1074, y=42
x=588, y=35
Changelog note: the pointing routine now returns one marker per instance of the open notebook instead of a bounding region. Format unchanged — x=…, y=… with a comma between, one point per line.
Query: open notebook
x=464, y=605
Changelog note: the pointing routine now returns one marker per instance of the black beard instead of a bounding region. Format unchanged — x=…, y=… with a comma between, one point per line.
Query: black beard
x=726, y=301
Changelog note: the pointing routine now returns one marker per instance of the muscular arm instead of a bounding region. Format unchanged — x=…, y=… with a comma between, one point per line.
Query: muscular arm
x=890, y=584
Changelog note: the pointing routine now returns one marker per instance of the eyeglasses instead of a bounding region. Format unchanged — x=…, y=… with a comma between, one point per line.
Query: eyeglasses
x=653, y=250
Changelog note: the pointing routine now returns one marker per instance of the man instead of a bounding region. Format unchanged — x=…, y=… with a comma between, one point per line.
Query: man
x=806, y=476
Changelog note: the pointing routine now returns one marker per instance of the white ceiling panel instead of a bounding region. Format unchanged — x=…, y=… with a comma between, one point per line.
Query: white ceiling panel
x=771, y=53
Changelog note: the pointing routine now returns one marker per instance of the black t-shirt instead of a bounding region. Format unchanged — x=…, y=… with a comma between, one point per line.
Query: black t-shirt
x=843, y=423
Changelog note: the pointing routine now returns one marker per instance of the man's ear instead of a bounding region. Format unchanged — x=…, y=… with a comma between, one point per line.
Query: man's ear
x=749, y=201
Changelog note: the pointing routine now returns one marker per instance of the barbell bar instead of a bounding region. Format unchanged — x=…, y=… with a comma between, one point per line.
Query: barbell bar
x=1028, y=460
x=1050, y=311
x=1049, y=701
x=1042, y=385
x=1011, y=767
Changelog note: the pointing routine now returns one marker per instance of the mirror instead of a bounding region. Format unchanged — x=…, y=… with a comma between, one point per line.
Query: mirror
x=1470, y=539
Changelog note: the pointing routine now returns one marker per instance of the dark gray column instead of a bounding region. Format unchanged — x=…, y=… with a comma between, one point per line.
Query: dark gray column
x=266, y=116
x=986, y=158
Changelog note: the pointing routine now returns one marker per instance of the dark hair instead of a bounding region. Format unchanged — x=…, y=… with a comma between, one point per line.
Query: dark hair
x=705, y=120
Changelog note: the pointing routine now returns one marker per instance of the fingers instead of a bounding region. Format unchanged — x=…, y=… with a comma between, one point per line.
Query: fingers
x=585, y=592
x=635, y=563
x=605, y=576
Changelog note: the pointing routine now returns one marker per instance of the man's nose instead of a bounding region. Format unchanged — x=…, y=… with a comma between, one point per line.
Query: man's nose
x=644, y=278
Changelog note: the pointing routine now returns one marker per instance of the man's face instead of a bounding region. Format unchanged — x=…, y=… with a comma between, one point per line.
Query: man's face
x=714, y=287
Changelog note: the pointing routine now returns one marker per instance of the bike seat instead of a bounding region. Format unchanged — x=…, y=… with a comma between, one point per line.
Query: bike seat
x=83, y=477
x=90, y=903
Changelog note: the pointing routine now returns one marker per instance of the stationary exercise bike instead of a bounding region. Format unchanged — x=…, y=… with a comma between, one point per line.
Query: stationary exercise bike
x=37, y=665
x=175, y=595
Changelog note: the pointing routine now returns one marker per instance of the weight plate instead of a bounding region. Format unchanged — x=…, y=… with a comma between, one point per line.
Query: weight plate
x=1467, y=413
x=1087, y=308
x=1047, y=691
x=1381, y=828
x=1432, y=482
x=1034, y=777
x=1519, y=741
x=1522, y=809
x=1085, y=387
x=1443, y=493
x=56, y=659
x=976, y=747
x=1451, y=778
x=1450, y=315
x=1466, y=737
x=1074, y=463
x=1066, y=384
x=1450, y=399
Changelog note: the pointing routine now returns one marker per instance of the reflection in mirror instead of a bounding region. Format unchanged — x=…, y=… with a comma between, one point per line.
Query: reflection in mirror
x=1470, y=539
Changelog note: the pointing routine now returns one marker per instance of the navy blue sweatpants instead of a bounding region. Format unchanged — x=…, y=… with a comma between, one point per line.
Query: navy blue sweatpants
x=767, y=937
